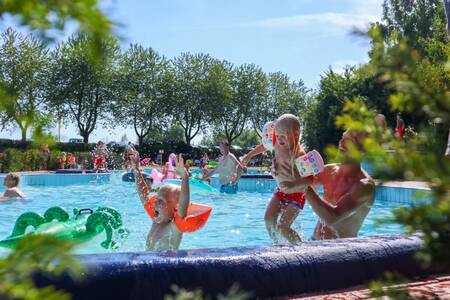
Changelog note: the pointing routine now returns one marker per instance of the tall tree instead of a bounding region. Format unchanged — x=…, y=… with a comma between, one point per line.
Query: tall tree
x=244, y=88
x=423, y=22
x=142, y=91
x=191, y=99
x=283, y=96
x=23, y=66
x=82, y=83
x=320, y=117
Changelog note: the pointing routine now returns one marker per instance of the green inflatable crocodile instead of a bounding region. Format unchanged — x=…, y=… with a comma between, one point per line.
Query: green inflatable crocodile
x=82, y=226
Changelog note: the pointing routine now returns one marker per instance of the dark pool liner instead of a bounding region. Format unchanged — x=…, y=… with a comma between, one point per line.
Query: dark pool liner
x=266, y=271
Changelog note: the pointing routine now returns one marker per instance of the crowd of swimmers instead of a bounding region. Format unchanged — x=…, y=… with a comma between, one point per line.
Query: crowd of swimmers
x=348, y=191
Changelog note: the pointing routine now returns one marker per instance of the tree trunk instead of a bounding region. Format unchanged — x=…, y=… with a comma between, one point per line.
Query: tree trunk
x=140, y=140
x=85, y=136
x=23, y=130
x=447, y=13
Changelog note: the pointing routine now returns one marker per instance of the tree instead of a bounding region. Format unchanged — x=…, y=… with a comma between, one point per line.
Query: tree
x=242, y=89
x=142, y=91
x=47, y=15
x=191, y=99
x=421, y=21
x=320, y=127
x=81, y=83
x=283, y=96
x=23, y=64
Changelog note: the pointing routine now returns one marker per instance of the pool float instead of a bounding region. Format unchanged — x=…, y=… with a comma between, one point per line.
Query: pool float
x=195, y=183
x=211, y=165
x=196, y=216
x=129, y=176
x=268, y=135
x=81, y=227
x=309, y=164
x=159, y=177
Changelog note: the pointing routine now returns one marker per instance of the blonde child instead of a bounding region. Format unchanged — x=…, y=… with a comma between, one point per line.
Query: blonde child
x=289, y=198
x=172, y=200
x=11, y=183
x=62, y=160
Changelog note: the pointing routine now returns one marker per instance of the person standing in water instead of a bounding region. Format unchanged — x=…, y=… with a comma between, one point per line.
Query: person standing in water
x=288, y=199
x=229, y=170
x=348, y=194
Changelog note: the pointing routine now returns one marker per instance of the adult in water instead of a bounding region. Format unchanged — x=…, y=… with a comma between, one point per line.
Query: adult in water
x=229, y=169
x=348, y=194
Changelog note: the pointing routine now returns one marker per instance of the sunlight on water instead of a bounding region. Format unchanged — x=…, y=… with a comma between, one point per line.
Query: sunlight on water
x=236, y=220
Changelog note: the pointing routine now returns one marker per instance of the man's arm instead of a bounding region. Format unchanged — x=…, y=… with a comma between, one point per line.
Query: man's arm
x=215, y=171
x=255, y=151
x=345, y=206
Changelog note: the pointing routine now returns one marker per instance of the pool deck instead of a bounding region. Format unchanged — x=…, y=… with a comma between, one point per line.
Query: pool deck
x=426, y=288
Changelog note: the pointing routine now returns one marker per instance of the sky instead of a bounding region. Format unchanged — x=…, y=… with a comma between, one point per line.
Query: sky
x=302, y=38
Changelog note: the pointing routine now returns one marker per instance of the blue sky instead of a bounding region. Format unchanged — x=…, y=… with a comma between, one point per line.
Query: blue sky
x=302, y=38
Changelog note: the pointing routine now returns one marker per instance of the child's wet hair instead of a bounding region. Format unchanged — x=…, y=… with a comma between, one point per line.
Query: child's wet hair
x=290, y=122
x=14, y=178
x=170, y=192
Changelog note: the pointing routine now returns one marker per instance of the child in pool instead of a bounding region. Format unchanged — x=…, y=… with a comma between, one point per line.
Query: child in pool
x=12, y=191
x=171, y=200
x=289, y=198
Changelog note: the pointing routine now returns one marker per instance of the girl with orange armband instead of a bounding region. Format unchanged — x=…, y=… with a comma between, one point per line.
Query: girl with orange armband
x=170, y=209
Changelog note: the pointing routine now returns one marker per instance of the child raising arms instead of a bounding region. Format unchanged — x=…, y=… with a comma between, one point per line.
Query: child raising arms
x=288, y=199
x=172, y=202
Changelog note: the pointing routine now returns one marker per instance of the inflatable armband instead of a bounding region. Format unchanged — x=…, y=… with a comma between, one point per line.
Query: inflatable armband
x=309, y=164
x=195, y=219
x=268, y=135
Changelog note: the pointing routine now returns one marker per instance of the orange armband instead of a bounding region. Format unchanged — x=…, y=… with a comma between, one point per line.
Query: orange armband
x=196, y=216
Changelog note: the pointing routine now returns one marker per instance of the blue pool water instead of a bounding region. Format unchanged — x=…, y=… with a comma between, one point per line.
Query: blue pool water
x=236, y=220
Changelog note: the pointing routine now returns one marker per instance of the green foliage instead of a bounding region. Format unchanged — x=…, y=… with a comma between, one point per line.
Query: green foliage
x=36, y=253
x=420, y=88
x=141, y=91
x=80, y=85
x=319, y=121
x=245, y=88
x=232, y=294
x=421, y=21
x=47, y=15
x=282, y=96
x=23, y=60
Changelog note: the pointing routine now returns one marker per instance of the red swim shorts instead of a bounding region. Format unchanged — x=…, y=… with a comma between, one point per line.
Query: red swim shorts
x=297, y=199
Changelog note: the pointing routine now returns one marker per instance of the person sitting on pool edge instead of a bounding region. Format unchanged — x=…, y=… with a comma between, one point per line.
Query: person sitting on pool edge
x=11, y=182
x=348, y=194
x=229, y=169
x=171, y=200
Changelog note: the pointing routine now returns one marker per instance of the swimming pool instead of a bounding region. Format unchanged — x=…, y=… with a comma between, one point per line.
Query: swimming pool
x=236, y=220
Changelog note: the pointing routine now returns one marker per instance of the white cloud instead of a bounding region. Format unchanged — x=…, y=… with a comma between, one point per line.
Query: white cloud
x=342, y=20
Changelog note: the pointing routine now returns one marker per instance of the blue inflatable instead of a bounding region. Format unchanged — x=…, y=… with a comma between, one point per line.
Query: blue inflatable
x=129, y=176
x=195, y=184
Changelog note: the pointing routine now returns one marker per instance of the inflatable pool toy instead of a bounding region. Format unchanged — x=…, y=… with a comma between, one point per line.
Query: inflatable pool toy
x=129, y=176
x=81, y=227
x=196, y=216
x=309, y=164
x=212, y=164
x=193, y=183
x=268, y=135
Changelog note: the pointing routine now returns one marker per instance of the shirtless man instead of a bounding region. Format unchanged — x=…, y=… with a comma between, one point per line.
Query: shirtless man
x=349, y=193
x=229, y=170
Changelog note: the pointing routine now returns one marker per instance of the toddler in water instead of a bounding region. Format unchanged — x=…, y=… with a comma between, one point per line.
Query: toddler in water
x=172, y=201
x=11, y=182
x=289, y=198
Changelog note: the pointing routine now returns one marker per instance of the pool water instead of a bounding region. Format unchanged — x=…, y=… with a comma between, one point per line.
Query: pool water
x=236, y=220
